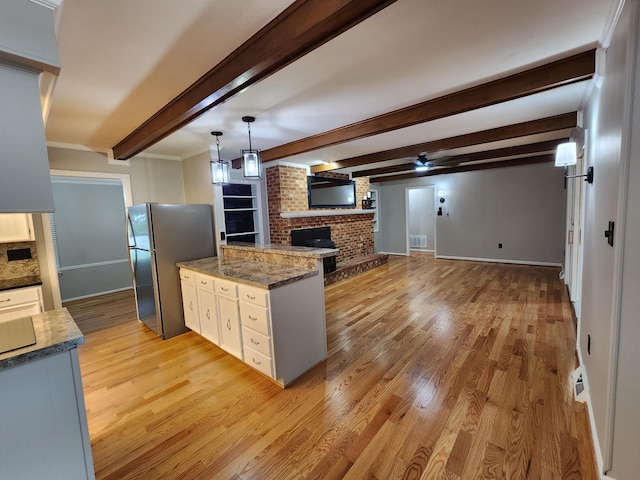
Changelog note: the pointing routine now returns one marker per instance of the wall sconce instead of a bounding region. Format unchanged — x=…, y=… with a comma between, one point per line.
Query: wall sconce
x=251, y=163
x=566, y=154
x=219, y=168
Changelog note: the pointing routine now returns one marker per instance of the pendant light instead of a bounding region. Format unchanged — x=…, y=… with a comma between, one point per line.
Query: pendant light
x=251, y=164
x=219, y=168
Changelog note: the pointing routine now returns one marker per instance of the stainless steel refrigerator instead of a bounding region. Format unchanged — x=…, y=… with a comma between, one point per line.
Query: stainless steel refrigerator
x=160, y=235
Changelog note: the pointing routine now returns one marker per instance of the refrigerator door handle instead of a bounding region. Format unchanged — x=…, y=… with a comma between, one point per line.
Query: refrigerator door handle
x=130, y=232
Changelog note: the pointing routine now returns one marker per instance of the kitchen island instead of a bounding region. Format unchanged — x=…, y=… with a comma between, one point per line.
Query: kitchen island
x=42, y=413
x=262, y=304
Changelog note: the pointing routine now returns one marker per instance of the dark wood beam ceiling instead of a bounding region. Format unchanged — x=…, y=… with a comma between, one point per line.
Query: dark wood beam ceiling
x=549, y=157
x=528, y=149
x=568, y=70
x=302, y=27
x=533, y=127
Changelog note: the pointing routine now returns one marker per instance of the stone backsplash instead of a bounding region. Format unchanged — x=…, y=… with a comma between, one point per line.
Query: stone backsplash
x=18, y=268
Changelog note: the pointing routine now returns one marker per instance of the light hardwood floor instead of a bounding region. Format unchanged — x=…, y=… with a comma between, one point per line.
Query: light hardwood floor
x=437, y=370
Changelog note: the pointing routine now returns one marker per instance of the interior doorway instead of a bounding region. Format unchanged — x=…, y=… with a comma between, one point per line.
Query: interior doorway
x=421, y=220
x=89, y=233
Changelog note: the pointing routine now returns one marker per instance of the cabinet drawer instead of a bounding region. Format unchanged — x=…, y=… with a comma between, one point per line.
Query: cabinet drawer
x=17, y=296
x=204, y=281
x=227, y=288
x=256, y=341
x=258, y=361
x=255, y=317
x=256, y=295
x=187, y=275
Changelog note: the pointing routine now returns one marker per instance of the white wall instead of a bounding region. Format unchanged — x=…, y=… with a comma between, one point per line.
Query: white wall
x=604, y=119
x=520, y=207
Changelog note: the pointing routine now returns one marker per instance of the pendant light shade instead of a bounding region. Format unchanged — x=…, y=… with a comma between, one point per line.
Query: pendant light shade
x=219, y=168
x=251, y=163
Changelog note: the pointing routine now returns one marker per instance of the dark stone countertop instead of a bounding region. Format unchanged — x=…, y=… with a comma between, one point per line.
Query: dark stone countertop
x=259, y=274
x=55, y=332
x=19, y=282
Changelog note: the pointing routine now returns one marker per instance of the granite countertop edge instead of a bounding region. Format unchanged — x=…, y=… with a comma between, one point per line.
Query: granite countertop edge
x=308, y=252
x=257, y=274
x=55, y=332
x=19, y=282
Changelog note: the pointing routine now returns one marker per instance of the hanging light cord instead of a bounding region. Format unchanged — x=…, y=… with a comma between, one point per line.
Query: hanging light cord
x=249, y=128
x=218, y=147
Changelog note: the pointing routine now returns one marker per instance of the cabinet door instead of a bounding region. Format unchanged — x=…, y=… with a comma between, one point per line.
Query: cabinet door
x=208, y=315
x=230, y=334
x=190, y=306
x=16, y=227
x=20, y=302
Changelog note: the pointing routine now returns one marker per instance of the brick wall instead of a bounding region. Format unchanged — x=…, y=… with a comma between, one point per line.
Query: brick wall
x=287, y=192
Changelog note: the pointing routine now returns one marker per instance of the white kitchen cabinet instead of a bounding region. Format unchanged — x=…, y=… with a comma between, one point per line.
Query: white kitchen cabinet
x=207, y=308
x=283, y=329
x=20, y=302
x=189, y=300
x=280, y=332
x=230, y=333
x=16, y=227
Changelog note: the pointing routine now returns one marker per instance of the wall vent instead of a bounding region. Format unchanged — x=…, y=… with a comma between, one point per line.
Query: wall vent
x=418, y=241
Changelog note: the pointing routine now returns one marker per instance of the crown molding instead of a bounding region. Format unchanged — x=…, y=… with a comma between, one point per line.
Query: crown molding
x=51, y=4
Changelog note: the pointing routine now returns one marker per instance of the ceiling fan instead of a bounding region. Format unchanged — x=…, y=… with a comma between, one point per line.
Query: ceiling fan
x=422, y=163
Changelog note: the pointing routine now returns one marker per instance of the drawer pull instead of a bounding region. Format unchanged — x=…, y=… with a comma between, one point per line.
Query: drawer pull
x=250, y=297
x=187, y=277
x=256, y=361
x=252, y=318
x=191, y=305
x=229, y=324
x=4, y=301
x=224, y=289
x=208, y=315
x=202, y=282
x=255, y=342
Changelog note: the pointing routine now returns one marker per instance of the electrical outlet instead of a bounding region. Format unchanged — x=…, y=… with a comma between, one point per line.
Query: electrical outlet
x=499, y=245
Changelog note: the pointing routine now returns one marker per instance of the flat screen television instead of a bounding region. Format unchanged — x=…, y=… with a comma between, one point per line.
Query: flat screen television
x=331, y=192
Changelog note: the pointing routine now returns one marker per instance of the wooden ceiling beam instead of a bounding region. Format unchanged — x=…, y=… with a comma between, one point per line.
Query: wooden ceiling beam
x=528, y=149
x=300, y=28
x=568, y=70
x=549, y=157
x=384, y=170
x=533, y=127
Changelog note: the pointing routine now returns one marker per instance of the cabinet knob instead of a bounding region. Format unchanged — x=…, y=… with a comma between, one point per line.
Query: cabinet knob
x=208, y=315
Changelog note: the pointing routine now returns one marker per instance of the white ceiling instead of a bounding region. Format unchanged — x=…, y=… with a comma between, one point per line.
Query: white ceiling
x=123, y=60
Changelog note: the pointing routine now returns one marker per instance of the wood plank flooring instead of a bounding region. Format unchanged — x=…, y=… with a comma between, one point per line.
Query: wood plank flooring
x=437, y=370
x=103, y=311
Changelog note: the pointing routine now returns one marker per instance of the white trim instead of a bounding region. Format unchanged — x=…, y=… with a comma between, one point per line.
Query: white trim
x=610, y=23
x=50, y=4
x=415, y=249
x=82, y=297
x=92, y=265
x=327, y=213
x=400, y=254
x=157, y=156
x=501, y=260
x=75, y=146
x=52, y=280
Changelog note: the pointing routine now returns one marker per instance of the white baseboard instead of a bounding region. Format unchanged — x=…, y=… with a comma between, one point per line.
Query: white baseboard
x=500, y=260
x=402, y=254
